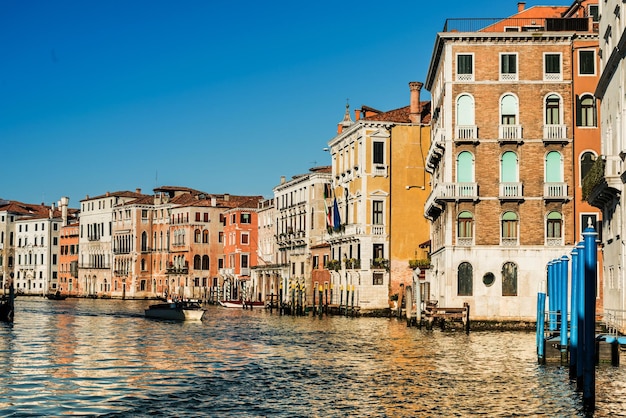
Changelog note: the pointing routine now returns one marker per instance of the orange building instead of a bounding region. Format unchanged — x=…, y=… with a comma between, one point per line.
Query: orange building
x=241, y=238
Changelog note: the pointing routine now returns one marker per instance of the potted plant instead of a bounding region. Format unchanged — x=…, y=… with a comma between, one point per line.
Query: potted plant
x=423, y=263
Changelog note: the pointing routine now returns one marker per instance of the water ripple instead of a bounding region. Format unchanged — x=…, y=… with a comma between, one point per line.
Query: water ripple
x=102, y=358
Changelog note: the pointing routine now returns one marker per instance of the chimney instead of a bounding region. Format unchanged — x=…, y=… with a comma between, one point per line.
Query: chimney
x=213, y=201
x=415, y=109
x=282, y=179
x=63, y=204
x=520, y=6
x=138, y=190
x=226, y=197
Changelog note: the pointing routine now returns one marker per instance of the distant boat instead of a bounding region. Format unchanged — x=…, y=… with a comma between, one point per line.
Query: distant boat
x=56, y=296
x=178, y=311
x=7, y=305
x=240, y=304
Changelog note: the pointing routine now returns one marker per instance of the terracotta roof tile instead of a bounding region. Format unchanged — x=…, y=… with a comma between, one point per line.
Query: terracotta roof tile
x=400, y=115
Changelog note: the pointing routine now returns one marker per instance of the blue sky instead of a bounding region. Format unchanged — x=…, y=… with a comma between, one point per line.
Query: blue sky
x=221, y=96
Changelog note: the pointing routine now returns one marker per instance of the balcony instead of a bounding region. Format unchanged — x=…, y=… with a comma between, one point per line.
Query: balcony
x=554, y=134
x=436, y=150
x=178, y=269
x=509, y=133
x=379, y=170
x=352, y=263
x=555, y=191
x=379, y=263
x=511, y=191
x=378, y=229
x=456, y=191
x=525, y=24
x=602, y=185
x=466, y=133
x=448, y=192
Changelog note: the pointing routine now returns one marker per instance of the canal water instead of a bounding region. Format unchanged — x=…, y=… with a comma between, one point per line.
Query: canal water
x=84, y=357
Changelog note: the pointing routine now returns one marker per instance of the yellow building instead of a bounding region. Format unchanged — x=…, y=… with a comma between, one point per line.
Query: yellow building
x=380, y=187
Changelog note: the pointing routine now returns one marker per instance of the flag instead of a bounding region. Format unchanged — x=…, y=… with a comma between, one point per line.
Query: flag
x=336, y=218
x=329, y=222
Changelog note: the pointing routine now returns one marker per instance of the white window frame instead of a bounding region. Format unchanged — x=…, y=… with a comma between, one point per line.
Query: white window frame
x=553, y=76
x=595, y=64
x=509, y=76
x=465, y=77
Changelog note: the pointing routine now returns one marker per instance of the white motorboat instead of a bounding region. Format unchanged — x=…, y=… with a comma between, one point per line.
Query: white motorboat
x=178, y=311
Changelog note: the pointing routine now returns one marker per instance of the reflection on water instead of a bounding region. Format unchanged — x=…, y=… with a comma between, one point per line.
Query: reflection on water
x=102, y=357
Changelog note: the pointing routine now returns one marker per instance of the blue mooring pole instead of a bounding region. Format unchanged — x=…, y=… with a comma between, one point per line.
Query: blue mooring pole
x=557, y=293
x=589, y=369
x=564, y=322
x=573, y=341
x=551, y=297
x=580, y=305
x=541, y=326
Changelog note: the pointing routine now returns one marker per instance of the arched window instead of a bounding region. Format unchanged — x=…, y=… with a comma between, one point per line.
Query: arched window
x=553, y=110
x=144, y=241
x=465, y=124
x=509, y=226
x=586, y=113
x=205, y=262
x=465, y=110
x=554, y=226
x=196, y=262
x=465, y=167
x=508, y=167
x=196, y=236
x=465, y=225
x=508, y=109
x=509, y=279
x=205, y=236
x=587, y=160
x=465, y=279
x=554, y=167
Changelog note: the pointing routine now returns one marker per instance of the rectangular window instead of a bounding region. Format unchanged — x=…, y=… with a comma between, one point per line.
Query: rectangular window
x=465, y=67
x=244, y=261
x=378, y=251
x=586, y=62
x=377, y=279
x=220, y=237
x=552, y=67
x=377, y=212
x=245, y=218
x=316, y=261
x=245, y=239
x=197, y=216
x=594, y=12
x=379, y=153
x=590, y=219
x=508, y=67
